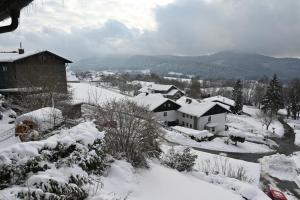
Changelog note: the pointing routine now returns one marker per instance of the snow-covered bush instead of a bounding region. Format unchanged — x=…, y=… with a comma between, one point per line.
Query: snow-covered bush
x=59, y=167
x=131, y=131
x=180, y=160
x=237, y=137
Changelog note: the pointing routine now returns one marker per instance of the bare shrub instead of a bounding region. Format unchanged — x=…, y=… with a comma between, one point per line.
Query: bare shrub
x=220, y=166
x=131, y=131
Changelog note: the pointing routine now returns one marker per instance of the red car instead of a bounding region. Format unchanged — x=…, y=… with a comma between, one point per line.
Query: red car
x=276, y=195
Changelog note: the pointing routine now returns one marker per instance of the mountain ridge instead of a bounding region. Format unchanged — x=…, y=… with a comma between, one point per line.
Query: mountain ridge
x=226, y=64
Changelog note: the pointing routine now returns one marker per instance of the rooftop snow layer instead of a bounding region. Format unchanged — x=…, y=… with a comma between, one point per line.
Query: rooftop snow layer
x=152, y=101
x=197, y=109
x=220, y=99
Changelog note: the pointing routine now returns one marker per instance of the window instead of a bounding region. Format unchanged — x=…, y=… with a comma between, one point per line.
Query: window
x=191, y=126
x=165, y=114
x=191, y=117
x=183, y=124
x=209, y=119
x=187, y=124
x=213, y=129
x=4, y=68
x=183, y=115
x=169, y=105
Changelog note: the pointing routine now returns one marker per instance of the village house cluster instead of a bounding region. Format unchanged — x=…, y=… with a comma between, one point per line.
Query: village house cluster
x=172, y=107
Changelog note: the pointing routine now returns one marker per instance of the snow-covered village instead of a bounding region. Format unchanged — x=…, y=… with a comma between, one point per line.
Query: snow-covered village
x=96, y=120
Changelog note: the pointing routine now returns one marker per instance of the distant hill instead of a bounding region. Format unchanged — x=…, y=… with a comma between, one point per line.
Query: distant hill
x=227, y=64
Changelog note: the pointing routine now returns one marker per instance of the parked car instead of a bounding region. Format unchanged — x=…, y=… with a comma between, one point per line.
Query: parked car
x=276, y=195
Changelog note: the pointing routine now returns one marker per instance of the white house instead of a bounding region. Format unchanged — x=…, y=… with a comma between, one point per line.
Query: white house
x=168, y=91
x=164, y=109
x=201, y=116
x=185, y=112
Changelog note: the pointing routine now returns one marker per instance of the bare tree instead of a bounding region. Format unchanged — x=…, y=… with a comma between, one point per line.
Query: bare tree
x=131, y=131
x=266, y=118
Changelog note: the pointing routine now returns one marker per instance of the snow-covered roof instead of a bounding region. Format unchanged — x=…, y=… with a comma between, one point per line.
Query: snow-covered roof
x=173, y=92
x=198, y=109
x=152, y=101
x=156, y=87
x=220, y=99
x=11, y=57
x=193, y=132
x=183, y=101
x=45, y=118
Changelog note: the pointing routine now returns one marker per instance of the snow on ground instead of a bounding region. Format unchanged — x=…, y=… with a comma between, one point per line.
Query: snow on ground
x=283, y=167
x=279, y=166
x=218, y=144
x=4, y=123
x=159, y=183
x=253, y=170
x=7, y=129
x=84, y=92
x=252, y=126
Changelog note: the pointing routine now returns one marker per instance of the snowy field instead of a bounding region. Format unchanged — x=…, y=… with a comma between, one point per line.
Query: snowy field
x=84, y=92
x=217, y=144
x=161, y=183
x=252, y=126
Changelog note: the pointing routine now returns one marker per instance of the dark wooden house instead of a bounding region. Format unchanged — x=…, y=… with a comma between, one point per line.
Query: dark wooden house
x=33, y=70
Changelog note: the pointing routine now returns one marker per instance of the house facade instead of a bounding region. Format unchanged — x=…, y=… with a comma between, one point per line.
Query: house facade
x=185, y=112
x=33, y=70
x=203, y=116
x=165, y=110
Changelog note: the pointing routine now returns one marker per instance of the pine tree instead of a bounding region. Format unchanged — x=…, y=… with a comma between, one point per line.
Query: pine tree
x=273, y=100
x=237, y=95
x=195, y=88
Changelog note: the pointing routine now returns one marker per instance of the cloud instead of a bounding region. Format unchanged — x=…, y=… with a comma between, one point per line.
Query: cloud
x=196, y=27
x=182, y=27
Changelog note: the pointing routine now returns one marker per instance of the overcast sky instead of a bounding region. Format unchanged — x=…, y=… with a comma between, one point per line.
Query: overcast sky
x=86, y=28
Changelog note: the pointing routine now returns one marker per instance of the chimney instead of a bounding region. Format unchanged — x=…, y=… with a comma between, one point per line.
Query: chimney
x=21, y=50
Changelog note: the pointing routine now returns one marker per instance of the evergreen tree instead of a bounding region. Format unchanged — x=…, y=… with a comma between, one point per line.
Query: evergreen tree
x=195, y=88
x=237, y=95
x=273, y=99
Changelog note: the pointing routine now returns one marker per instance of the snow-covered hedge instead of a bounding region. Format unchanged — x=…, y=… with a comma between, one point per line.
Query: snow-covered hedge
x=56, y=168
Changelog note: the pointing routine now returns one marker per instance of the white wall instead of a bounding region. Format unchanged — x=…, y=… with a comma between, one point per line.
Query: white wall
x=171, y=116
x=187, y=119
x=218, y=118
